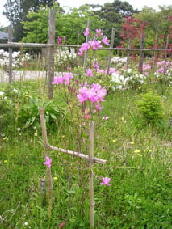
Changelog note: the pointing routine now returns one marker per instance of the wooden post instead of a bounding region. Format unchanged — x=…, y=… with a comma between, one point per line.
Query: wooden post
x=155, y=54
x=111, y=51
x=10, y=54
x=128, y=52
x=87, y=39
x=166, y=46
x=43, y=128
x=51, y=40
x=141, y=60
x=91, y=156
x=49, y=179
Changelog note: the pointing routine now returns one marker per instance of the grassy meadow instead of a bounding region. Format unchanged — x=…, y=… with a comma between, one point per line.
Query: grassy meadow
x=138, y=158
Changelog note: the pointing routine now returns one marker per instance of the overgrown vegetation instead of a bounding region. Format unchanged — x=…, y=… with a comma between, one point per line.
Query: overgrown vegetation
x=139, y=164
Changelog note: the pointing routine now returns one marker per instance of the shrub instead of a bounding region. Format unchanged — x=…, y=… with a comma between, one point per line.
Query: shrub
x=28, y=117
x=150, y=107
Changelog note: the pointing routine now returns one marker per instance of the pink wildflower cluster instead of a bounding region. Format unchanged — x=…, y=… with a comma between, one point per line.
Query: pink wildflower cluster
x=106, y=181
x=87, y=32
x=48, y=162
x=146, y=68
x=93, y=93
x=64, y=79
x=89, y=72
x=163, y=66
x=93, y=44
x=99, y=33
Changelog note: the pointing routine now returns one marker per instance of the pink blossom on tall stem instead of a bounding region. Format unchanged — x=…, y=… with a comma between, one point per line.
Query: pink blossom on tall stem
x=85, y=47
x=64, y=79
x=59, y=40
x=96, y=65
x=48, y=162
x=93, y=93
x=99, y=33
x=95, y=44
x=89, y=73
x=87, y=32
x=105, y=41
x=105, y=181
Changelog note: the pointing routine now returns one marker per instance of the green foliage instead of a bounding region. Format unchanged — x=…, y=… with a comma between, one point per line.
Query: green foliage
x=71, y=25
x=150, y=107
x=139, y=164
x=153, y=33
x=7, y=115
x=36, y=27
x=19, y=111
x=113, y=13
x=28, y=116
x=17, y=10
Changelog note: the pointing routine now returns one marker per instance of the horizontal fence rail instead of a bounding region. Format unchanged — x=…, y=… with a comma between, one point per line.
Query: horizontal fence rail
x=39, y=45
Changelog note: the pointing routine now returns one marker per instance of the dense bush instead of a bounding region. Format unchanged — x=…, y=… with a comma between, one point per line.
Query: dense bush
x=150, y=108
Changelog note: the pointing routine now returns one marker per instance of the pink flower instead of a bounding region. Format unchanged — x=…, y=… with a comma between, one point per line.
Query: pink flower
x=99, y=33
x=96, y=65
x=95, y=44
x=112, y=70
x=146, y=67
x=87, y=32
x=93, y=93
x=48, y=162
x=65, y=79
x=57, y=80
x=105, y=181
x=59, y=40
x=87, y=116
x=101, y=71
x=98, y=107
x=105, y=41
x=161, y=70
x=85, y=47
x=89, y=72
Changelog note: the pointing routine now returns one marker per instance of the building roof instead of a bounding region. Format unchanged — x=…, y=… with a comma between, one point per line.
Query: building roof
x=3, y=36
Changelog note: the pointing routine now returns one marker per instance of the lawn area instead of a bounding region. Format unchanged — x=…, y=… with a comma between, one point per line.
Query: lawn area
x=138, y=158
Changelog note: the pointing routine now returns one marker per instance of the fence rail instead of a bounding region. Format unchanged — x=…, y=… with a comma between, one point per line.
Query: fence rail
x=39, y=45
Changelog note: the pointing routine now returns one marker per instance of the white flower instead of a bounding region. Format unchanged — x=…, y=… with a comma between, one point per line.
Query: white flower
x=25, y=223
x=1, y=93
x=15, y=90
x=129, y=70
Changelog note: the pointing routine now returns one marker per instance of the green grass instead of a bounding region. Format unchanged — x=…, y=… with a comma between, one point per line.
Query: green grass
x=139, y=164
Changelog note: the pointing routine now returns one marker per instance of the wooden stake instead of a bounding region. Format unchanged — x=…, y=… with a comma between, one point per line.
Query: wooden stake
x=51, y=41
x=87, y=39
x=111, y=51
x=141, y=60
x=10, y=53
x=77, y=154
x=49, y=179
x=91, y=156
x=43, y=128
x=166, y=46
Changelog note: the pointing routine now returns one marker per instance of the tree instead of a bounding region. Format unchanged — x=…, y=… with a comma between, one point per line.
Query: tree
x=114, y=13
x=17, y=10
x=71, y=25
x=158, y=25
